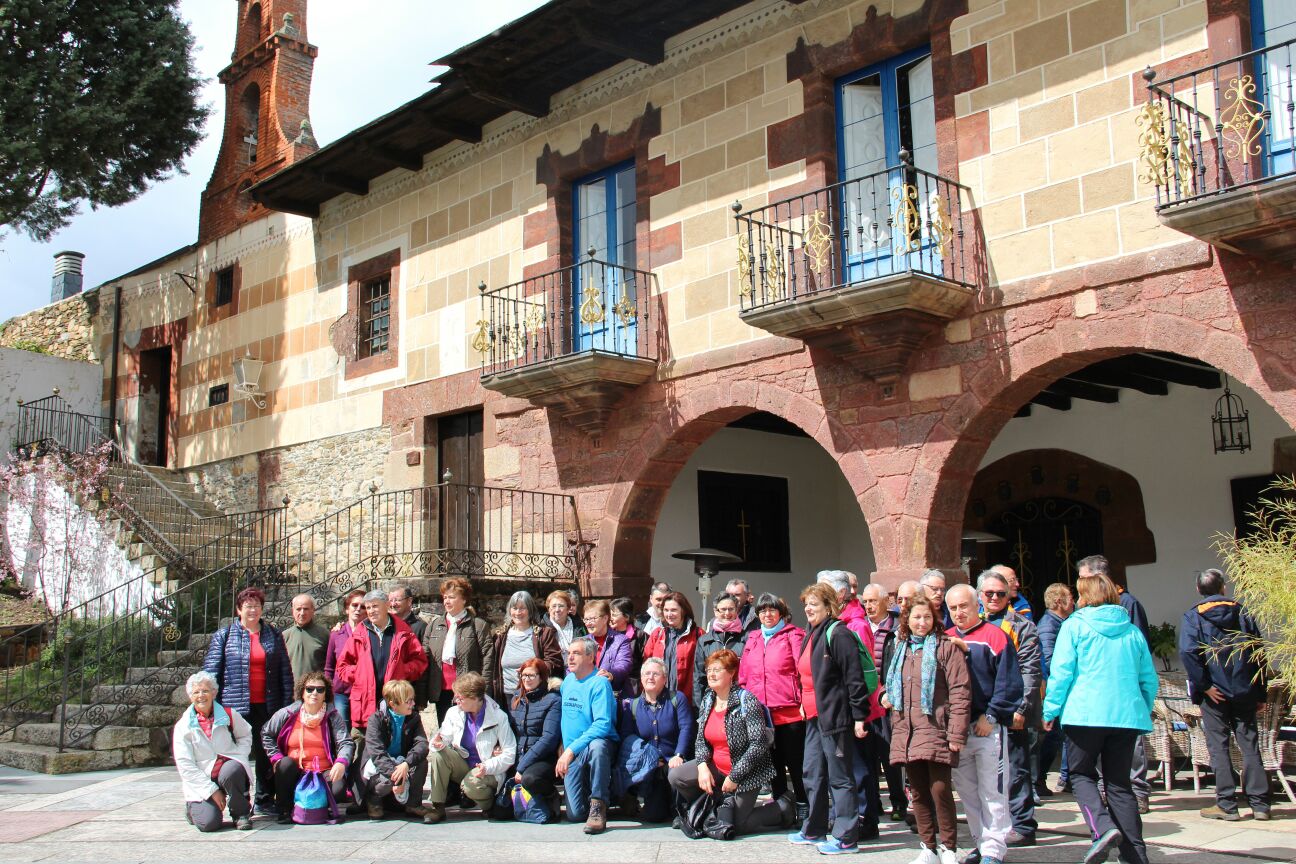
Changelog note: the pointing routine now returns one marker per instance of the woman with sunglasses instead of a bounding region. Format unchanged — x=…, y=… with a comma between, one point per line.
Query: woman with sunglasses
x=308, y=735
x=354, y=607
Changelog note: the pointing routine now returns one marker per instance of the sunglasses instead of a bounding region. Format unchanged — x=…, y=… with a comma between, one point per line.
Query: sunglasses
x=313, y=688
x=995, y=593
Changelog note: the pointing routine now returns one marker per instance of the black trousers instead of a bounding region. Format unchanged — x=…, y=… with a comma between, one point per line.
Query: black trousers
x=788, y=754
x=539, y=778
x=1218, y=722
x=286, y=774
x=1021, y=793
x=830, y=780
x=257, y=717
x=1088, y=748
x=879, y=749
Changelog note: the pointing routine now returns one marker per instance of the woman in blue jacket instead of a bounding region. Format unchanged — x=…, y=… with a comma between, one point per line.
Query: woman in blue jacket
x=656, y=735
x=1102, y=684
x=536, y=715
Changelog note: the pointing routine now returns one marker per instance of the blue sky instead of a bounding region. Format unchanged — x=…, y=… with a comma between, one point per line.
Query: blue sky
x=373, y=57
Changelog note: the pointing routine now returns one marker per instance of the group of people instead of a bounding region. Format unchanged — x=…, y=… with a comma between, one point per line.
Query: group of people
x=669, y=719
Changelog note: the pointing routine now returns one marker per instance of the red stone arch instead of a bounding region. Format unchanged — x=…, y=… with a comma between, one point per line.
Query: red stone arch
x=994, y=391
x=650, y=465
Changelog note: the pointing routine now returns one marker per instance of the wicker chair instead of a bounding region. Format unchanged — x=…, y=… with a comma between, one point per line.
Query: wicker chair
x=1164, y=743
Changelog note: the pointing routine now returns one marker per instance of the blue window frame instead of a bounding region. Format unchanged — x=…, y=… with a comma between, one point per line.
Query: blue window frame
x=881, y=110
x=604, y=219
x=1272, y=23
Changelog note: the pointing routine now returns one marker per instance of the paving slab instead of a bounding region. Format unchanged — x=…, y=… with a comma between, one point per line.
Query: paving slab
x=17, y=827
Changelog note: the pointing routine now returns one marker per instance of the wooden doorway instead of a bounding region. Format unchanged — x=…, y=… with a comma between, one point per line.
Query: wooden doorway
x=459, y=452
x=154, y=406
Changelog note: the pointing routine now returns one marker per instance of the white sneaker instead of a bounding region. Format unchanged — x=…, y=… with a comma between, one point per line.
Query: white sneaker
x=926, y=856
x=946, y=855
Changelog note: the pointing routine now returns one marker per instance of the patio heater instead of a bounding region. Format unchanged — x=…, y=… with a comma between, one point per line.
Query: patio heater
x=971, y=540
x=706, y=564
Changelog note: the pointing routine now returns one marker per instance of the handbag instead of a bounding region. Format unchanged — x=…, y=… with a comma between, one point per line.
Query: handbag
x=528, y=808
x=313, y=802
x=708, y=816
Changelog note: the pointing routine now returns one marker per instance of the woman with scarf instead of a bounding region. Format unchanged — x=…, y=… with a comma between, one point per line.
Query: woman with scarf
x=768, y=671
x=724, y=634
x=212, y=747
x=928, y=691
x=558, y=615
x=676, y=643
x=308, y=735
x=457, y=642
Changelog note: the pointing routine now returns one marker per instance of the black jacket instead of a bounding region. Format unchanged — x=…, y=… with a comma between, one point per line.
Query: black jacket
x=841, y=696
x=710, y=643
x=378, y=734
x=1209, y=640
x=537, y=725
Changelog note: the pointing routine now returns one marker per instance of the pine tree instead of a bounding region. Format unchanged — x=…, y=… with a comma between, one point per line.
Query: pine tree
x=100, y=99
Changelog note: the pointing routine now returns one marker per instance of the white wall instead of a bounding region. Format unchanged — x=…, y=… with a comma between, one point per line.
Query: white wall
x=1165, y=443
x=30, y=376
x=826, y=530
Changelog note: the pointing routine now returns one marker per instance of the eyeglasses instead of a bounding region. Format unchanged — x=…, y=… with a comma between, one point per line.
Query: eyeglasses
x=995, y=593
x=528, y=675
x=315, y=688
x=590, y=622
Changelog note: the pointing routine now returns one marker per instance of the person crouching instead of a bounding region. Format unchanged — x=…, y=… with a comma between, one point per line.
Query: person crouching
x=397, y=750
x=475, y=747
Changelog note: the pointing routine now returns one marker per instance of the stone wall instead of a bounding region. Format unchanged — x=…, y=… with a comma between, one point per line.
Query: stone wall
x=64, y=329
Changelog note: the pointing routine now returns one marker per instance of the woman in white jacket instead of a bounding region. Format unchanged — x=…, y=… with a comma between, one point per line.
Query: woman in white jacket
x=474, y=747
x=212, y=745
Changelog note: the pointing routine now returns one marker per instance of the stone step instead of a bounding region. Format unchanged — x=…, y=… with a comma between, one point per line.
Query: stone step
x=174, y=658
x=139, y=694
x=107, y=738
x=199, y=642
x=168, y=674
x=48, y=760
x=119, y=715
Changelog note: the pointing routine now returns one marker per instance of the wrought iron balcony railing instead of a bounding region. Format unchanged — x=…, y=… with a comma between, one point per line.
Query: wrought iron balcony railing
x=898, y=220
x=1224, y=127
x=593, y=306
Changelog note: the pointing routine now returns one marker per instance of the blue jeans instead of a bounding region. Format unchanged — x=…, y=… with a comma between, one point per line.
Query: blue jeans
x=588, y=777
x=342, y=703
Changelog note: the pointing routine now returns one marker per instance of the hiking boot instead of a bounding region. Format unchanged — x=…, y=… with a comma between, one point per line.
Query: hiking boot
x=433, y=814
x=416, y=810
x=1144, y=805
x=375, y=811
x=1261, y=815
x=1217, y=812
x=597, y=821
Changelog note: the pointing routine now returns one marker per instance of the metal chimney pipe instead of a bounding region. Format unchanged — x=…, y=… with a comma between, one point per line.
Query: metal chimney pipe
x=67, y=275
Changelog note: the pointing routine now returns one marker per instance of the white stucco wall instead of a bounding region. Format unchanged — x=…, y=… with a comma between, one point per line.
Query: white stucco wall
x=30, y=376
x=1165, y=443
x=827, y=529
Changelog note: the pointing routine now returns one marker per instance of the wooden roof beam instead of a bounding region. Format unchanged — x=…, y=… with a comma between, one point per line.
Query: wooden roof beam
x=506, y=95
x=407, y=159
x=595, y=31
x=1107, y=376
x=340, y=182
x=469, y=133
x=1051, y=400
x=1189, y=375
x=1084, y=390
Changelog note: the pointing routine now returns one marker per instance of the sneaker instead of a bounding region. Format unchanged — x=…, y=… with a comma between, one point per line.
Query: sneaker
x=1261, y=815
x=243, y=823
x=1016, y=840
x=990, y=859
x=433, y=814
x=1144, y=805
x=597, y=821
x=946, y=855
x=926, y=856
x=973, y=857
x=1100, y=848
x=833, y=846
x=800, y=838
x=266, y=809
x=898, y=815
x=1217, y=812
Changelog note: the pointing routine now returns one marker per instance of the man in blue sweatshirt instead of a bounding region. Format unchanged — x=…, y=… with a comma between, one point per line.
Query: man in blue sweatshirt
x=981, y=777
x=589, y=737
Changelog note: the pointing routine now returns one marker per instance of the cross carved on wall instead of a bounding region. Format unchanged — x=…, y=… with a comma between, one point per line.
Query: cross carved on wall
x=742, y=529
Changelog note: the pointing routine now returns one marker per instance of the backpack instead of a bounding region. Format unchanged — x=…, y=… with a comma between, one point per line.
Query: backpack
x=865, y=656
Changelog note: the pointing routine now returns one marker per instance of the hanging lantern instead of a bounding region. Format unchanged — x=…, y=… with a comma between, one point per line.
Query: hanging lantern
x=1230, y=426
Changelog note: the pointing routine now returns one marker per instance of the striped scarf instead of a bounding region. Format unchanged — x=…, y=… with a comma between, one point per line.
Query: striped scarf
x=895, y=672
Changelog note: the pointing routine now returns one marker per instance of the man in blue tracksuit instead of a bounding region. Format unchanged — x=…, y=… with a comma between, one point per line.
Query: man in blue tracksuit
x=589, y=734
x=1224, y=679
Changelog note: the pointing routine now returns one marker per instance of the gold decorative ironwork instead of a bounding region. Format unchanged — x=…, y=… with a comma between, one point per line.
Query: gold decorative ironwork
x=942, y=227
x=535, y=318
x=906, y=219
x=625, y=308
x=817, y=242
x=591, y=309
x=515, y=341
x=1155, y=145
x=1245, y=118
x=171, y=633
x=481, y=341
x=774, y=273
x=744, y=265
x=1066, y=551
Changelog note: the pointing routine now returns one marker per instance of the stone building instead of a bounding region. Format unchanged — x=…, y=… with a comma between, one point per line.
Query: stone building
x=866, y=275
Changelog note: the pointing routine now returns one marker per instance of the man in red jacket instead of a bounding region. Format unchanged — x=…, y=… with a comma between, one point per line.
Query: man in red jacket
x=383, y=649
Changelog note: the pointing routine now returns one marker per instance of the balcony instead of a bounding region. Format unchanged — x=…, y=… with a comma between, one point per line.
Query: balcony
x=867, y=268
x=1217, y=143
x=575, y=340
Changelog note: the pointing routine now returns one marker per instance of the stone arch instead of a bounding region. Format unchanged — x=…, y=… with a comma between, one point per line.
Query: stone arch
x=651, y=465
x=994, y=392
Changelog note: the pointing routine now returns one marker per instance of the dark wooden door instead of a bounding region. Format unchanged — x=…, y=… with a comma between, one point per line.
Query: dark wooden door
x=154, y=406
x=459, y=452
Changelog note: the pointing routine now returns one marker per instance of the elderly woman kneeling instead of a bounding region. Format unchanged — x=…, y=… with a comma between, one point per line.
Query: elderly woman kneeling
x=212, y=745
x=475, y=747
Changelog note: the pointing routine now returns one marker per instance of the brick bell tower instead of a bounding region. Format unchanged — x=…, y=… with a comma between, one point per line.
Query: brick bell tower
x=267, y=111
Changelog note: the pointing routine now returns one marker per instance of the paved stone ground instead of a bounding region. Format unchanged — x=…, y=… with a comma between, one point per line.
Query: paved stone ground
x=136, y=816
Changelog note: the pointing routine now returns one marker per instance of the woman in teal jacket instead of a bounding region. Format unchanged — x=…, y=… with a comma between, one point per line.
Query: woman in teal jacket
x=1102, y=684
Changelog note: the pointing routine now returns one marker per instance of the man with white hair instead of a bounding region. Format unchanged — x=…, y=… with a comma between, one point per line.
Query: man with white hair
x=882, y=622
x=738, y=589
x=307, y=639
x=1018, y=599
x=933, y=585
x=383, y=650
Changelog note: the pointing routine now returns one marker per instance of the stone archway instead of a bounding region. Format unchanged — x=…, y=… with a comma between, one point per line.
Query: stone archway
x=996, y=390
x=651, y=465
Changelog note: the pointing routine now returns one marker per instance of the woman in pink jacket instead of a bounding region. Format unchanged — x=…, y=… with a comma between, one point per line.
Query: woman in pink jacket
x=768, y=671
